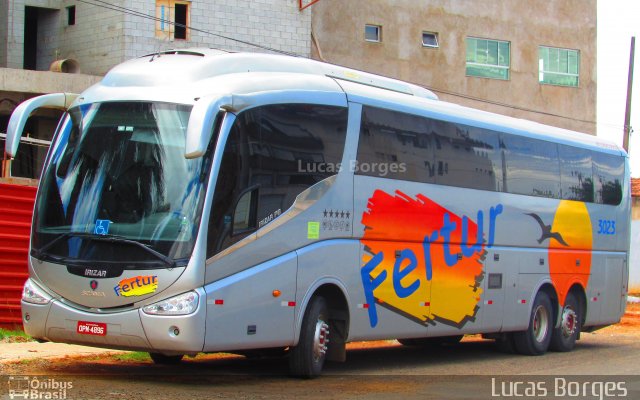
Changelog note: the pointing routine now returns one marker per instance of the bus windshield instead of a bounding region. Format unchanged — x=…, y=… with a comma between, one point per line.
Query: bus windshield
x=117, y=187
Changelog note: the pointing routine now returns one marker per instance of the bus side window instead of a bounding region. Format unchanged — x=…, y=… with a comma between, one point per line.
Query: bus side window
x=397, y=145
x=471, y=156
x=608, y=175
x=244, y=214
x=533, y=167
x=576, y=173
x=273, y=153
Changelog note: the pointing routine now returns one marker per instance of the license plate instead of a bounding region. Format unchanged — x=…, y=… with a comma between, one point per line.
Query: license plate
x=91, y=328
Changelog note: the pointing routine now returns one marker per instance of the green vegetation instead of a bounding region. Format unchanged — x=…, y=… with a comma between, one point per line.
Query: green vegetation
x=134, y=356
x=13, y=336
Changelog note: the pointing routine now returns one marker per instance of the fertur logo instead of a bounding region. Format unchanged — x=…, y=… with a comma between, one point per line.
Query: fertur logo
x=137, y=286
x=423, y=261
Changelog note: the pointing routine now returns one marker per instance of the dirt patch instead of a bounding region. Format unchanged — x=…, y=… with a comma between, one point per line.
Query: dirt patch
x=631, y=317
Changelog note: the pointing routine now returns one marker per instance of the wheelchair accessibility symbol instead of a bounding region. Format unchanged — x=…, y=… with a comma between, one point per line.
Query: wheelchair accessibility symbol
x=102, y=227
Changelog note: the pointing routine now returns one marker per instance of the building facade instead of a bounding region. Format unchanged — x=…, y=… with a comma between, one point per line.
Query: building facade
x=101, y=34
x=528, y=59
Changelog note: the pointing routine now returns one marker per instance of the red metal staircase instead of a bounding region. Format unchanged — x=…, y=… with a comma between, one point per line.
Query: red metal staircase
x=16, y=211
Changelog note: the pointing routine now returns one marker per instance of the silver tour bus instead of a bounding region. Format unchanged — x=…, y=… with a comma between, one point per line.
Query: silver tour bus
x=261, y=202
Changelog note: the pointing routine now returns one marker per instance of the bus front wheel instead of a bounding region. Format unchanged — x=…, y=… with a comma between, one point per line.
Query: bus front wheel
x=535, y=340
x=307, y=358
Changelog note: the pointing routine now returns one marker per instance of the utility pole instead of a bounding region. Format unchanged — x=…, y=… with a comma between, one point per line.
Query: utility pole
x=627, y=114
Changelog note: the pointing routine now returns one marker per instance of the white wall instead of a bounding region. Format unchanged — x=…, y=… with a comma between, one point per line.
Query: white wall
x=634, y=264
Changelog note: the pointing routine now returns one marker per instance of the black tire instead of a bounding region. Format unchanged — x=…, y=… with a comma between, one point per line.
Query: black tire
x=564, y=337
x=307, y=358
x=159, y=358
x=505, y=344
x=429, y=342
x=535, y=340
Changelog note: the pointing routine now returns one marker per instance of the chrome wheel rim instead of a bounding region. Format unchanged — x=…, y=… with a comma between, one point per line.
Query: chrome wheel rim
x=320, y=340
x=540, y=324
x=569, y=322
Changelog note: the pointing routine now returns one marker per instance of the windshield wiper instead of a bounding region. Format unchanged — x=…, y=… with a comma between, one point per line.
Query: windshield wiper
x=39, y=253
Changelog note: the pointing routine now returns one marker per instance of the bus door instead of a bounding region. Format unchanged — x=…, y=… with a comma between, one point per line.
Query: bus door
x=500, y=276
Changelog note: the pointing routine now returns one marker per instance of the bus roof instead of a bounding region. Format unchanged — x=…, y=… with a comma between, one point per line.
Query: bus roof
x=196, y=65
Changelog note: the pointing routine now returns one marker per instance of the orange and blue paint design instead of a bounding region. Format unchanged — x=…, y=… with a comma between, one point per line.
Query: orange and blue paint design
x=137, y=286
x=570, y=245
x=426, y=263
x=436, y=278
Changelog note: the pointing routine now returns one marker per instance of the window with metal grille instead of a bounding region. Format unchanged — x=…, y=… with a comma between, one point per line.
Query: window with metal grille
x=558, y=66
x=430, y=39
x=488, y=58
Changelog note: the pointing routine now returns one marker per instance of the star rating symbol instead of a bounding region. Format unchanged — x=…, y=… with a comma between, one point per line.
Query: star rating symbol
x=341, y=214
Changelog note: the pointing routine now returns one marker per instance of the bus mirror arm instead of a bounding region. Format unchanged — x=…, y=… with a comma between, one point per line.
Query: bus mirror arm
x=21, y=114
x=202, y=122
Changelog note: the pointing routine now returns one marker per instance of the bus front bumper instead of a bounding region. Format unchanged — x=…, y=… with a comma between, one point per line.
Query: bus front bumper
x=126, y=330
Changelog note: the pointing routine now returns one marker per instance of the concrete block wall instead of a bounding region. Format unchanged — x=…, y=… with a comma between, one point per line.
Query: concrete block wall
x=15, y=34
x=277, y=24
x=12, y=23
x=102, y=38
x=48, y=38
x=96, y=41
x=4, y=22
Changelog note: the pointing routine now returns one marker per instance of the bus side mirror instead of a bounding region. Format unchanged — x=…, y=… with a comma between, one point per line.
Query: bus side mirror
x=20, y=115
x=202, y=122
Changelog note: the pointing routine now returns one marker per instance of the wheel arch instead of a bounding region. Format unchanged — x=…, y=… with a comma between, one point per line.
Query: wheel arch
x=548, y=288
x=335, y=294
x=581, y=294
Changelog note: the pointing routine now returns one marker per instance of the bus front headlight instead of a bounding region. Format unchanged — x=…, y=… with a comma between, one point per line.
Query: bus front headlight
x=183, y=304
x=31, y=293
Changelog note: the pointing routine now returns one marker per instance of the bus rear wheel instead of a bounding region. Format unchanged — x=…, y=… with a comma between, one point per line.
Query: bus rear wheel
x=307, y=358
x=535, y=340
x=159, y=358
x=564, y=337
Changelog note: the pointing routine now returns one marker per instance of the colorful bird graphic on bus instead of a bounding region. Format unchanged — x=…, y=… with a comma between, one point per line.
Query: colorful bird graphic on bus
x=570, y=241
x=422, y=260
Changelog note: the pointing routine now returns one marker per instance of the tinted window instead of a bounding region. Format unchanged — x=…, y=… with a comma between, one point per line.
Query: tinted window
x=272, y=154
x=575, y=173
x=396, y=145
x=533, y=167
x=608, y=172
x=408, y=147
x=467, y=156
x=118, y=168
